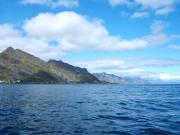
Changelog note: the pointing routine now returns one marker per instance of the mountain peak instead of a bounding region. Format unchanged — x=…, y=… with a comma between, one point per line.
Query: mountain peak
x=9, y=49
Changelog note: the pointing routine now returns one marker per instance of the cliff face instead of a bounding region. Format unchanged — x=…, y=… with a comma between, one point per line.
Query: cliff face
x=16, y=65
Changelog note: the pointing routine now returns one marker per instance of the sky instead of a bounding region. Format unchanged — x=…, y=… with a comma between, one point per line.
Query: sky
x=139, y=38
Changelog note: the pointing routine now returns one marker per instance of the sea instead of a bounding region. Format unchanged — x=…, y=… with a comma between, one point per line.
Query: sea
x=89, y=109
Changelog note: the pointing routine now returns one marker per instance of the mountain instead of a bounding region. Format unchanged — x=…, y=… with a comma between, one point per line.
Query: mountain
x=18, y=66
x=109, y=78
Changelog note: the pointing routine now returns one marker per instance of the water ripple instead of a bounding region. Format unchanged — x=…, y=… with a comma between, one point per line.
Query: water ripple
x=89, y=109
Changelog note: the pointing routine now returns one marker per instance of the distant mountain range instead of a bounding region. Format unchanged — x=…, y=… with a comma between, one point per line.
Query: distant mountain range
x=17, y=66
x=109, y=78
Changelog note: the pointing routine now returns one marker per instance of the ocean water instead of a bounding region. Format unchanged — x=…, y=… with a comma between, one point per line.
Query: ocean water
x=89, y=109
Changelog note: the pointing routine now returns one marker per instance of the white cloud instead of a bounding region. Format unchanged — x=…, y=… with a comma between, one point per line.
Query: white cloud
x=169, y=77
x=8, y=31
x=158, y=26
x=158, y=36
x=164, y=11
x=140, y=14
x=155, y=4
x=158, y=39
x=53, y=3
x=148, y=4
x=162, y=77
x=76, y=32
x=72, y=32
x=128, y=63
x=10, y=36
x=175, y=47
x=159, y=7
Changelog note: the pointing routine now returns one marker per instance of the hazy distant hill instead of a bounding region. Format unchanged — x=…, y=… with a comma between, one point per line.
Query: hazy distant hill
x=19, y=66
x=109, y=78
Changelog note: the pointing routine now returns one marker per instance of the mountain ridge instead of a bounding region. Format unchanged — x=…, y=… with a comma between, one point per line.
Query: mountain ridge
x=17, y=66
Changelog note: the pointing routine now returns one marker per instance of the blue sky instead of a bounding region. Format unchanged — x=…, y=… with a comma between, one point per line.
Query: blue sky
x=125, y=37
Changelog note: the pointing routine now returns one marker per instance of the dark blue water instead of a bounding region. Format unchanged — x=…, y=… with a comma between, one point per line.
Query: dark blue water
x=89, y=109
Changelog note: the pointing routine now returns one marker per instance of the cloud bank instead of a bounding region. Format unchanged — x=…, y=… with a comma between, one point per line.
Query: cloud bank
x=130, y=67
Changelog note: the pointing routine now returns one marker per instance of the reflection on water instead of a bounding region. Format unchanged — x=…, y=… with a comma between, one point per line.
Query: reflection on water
x=89, y=109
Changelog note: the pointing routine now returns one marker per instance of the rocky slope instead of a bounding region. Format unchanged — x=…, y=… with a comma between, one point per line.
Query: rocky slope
x=18, y=66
